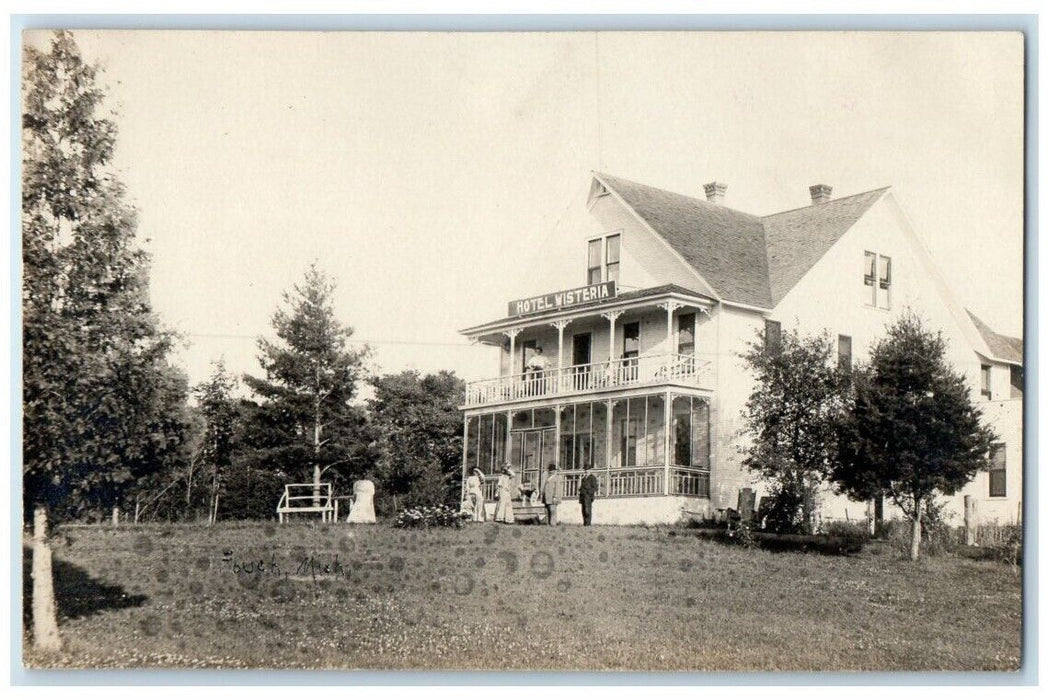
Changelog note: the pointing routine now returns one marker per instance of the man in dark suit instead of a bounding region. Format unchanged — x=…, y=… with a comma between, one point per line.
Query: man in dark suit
x=587, y=493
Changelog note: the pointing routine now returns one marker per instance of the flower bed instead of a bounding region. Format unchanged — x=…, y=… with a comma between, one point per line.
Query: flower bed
x=430, y=516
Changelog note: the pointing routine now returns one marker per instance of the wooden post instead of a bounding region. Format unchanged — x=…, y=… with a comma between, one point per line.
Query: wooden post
x=116, y=516
x=970, y=520
x=137, y=508
x=45, y=618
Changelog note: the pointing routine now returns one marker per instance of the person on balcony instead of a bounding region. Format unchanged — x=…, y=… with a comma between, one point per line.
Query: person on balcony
x=475, y=494
x=504, y=493
x=534, y=371
x=552, y=491
x=587, y=493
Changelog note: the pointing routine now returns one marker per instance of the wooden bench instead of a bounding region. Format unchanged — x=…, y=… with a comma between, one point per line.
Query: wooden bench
x=301, y=498
x=527, y=512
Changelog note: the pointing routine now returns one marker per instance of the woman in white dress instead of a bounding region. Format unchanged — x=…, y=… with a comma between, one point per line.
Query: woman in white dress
x=363, y=508
x=504, y=507
x=475, y=495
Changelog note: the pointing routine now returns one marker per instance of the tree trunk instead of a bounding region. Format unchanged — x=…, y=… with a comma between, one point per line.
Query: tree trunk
x=916, y=532
x=317, y=453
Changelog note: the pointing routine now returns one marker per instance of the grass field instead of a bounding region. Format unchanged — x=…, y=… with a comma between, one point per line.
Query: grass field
x=515, y=597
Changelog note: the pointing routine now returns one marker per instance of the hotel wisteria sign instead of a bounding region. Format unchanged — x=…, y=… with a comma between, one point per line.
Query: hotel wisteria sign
x=563, y=300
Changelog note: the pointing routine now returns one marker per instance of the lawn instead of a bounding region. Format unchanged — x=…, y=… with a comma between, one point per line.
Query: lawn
x=515, y=597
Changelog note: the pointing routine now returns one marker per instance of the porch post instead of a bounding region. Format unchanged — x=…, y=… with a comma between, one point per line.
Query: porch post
x=608, y=451
x=466, y=437
x=509, y=420
x=557, y=441
x=611, y=316
x=667, y=398
x=511, y=333
x=560, y=326
x=671, y=307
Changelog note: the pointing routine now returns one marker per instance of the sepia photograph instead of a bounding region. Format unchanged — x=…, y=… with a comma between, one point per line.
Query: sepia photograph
x=522, y=351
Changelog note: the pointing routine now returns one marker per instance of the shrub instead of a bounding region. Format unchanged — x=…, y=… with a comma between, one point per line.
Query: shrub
x=1006, y=541
x=430, y=516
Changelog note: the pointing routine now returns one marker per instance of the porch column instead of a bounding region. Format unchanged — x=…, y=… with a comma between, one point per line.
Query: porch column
x=511, y=333
x=671, y=307
x=509, y=421
x=466, y=468
x=557, y=441
x=560, y=326
x=667, y=414
x=608, y=450
x=611, y=316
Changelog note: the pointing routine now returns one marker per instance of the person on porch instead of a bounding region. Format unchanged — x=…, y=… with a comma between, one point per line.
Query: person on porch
x=552, y=490
x=504, y=492
x=587, y=493
x=534, y=372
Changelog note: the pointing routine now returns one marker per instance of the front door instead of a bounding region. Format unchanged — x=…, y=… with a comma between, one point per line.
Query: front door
x=580, y=361
x=530, y=453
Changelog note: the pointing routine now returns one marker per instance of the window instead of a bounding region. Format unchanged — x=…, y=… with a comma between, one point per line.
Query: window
x=773, y=331
x=985, y=381
x=1016, y=381
x=686, y=334
x=845, y=351
x=612, y=258
x=602, y=259
x=869, y=262
x=877, y=278
x=631, y=340
x=593, y=262
x=884, y=281
x=996, y=475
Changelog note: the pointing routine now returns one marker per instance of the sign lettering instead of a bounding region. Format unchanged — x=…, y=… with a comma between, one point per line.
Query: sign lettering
x=563, y=299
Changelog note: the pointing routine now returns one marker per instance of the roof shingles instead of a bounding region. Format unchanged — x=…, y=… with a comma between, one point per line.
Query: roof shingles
x=746, y=259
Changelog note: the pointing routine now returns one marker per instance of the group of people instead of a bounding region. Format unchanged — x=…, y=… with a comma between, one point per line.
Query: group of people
x=551, y=495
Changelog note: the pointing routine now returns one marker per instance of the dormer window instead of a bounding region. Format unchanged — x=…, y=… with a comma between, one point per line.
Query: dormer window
x=602, y=259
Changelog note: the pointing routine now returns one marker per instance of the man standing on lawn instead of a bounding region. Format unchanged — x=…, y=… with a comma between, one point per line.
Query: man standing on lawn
x=552, y=490
x=587, y=492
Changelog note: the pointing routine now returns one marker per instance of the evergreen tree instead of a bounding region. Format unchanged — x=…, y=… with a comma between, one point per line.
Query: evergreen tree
x=912, y=430
x=102, y=407
x=419, y=437
x=218, y=409
x=790, y=416
x=306, y=422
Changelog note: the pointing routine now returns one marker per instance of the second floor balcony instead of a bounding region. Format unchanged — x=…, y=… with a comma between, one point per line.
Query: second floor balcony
x=644, y=370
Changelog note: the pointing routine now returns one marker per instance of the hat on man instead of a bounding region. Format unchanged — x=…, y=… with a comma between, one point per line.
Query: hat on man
x=478, y=472
x=508, y=470
x=552, y=467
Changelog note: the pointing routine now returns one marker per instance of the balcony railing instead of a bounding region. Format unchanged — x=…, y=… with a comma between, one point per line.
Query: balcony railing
x=621, y=372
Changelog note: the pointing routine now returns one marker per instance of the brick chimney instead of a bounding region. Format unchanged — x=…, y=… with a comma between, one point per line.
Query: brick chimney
x=820, y=193
x=715, y=191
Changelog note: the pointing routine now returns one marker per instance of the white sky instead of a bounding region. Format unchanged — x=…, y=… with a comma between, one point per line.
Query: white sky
x=425, y=170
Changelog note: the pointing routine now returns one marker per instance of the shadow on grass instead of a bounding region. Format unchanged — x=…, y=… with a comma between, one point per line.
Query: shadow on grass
x=76, y=593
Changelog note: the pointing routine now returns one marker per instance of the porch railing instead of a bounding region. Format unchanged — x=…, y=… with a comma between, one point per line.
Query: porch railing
x=620, y=372
x=629, y=481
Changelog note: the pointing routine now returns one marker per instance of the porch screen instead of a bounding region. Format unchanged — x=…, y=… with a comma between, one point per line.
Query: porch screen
x=638, y=431
x=691, y=425
x=486, y=442
x=583, y=427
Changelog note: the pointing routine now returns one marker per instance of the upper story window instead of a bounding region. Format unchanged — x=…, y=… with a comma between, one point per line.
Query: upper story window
x=845, y=351
x=985, y=381
x=686, y=334
x=773, y=331
x=631, y=340
x=877, y=278
x=602, y=259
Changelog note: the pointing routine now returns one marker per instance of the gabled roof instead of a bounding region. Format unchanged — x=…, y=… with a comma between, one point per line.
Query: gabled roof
x=1003, y=347
x=747, y=259
x=725, y=246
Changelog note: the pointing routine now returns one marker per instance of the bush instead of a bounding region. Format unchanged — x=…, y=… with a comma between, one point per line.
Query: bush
x=1006, y=541
x=430, y=516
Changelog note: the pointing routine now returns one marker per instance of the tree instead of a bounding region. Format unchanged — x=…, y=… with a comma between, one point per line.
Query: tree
x=912, y=430
x=219, y=410
x=306, y=422
x=419, y=436
x=790, y=417
x=102, y=407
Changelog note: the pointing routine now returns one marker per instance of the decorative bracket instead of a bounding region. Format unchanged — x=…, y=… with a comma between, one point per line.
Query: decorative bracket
x=611, y=316
x=561, y=324
x=512, y=333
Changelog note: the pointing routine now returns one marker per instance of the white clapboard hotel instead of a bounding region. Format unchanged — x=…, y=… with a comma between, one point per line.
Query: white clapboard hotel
x=653, y=295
